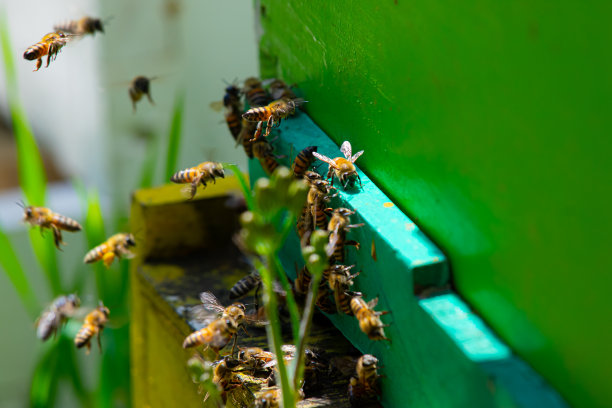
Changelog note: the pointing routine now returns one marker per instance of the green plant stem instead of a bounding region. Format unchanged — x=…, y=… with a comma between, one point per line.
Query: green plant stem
x=246, y=190
x=298, y=362
x=294, y=312
x=274, y=331
x=174, y=137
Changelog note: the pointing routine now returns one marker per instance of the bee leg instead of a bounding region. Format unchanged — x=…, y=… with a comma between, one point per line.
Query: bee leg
x=57, y=237
x=38, y=64
x=359, y=178
x=134, y=105
x=257, y=133
x=99, y=342
x=150, y=99
x=88, y=345
x=48, y=60
x=269, y=127
x=108, y=259
x=353, y=243
x=234, y=345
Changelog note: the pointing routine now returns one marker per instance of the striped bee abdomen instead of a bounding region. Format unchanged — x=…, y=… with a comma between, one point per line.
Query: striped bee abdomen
x=97, y=253
x=66, y=223
x=269, y=164
x=258, y=114
x=194, y=339
x=83, y=336
x=185, y=176
x=244, y=286
x=303, y=161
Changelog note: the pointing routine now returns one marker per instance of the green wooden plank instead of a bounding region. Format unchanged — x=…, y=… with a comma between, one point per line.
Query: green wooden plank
x=421, y=358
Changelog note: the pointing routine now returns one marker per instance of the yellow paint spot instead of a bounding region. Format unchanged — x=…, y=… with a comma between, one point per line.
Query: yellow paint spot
x=388, y=204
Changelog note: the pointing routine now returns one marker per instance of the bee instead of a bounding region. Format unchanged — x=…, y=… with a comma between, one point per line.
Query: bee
x=93, y=324
x=310, y=176
x=342, y=167
x=245, y=136
x=254, y=93
x=302, y=161
x=141, y=85
x=369, y=320
x=280, y=90
x=301, y=284
x=269, y=399
x=224, y=376
x=313, y=214
x=50, y=45
x=233, y=106
x=55, y=315
x=117, y=246
x=215, y=336
x=323, y=301
x=245, y=285
x=45, y=218
x=272, y=113
x=263, y=151
x=255, y=359
x=315, y=364
x=220, y=331
x=339, y=224
x=199, y=174
x=364, y=388
x=85, y=25
x=340, y=280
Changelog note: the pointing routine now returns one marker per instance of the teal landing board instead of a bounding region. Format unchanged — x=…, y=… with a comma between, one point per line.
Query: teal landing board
x=423, y=367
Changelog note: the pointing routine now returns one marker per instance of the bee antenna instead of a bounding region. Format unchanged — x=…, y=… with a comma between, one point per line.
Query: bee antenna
x=20, y=203
x=107, y=19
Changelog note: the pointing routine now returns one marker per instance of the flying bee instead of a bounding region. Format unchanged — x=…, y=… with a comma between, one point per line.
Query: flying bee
x=55, y=315
x=93, y=324
x=50, y=45
x=85, y=25
x=245, y=285
x=369, y=320
x=303, y=161
x=280, y=90
x=340, y=280
x=342, y=167
x=220, y=331
x=199, y=174
x=214, y=336
x=254, y=93
x=140, y=86
x=45, y=218
x=117, y=246
x=339, y=224
x=273, y=113
x=364, y=389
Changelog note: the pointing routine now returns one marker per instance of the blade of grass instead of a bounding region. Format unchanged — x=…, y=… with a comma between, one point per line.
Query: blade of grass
x=148, y=165
x=12, y=267
x=244, y=185
x=94, y=234
x=43, y=388
x=174, y=137
x=32, y=177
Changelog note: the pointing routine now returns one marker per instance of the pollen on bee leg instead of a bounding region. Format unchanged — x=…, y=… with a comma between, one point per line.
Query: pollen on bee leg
x=108, y=259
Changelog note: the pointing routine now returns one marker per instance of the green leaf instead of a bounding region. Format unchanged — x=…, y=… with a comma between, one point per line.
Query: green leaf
x=148, y=165
x=174, y=138
x=12, y=267
x=43, y=388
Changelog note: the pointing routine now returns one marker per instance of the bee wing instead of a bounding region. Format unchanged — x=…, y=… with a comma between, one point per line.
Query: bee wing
x=255, y=321
x=325, y=159
x=210, y=302
x=372, y=303
x=333, y=241
x=346, y=149
x=201, y=316
x=217, y=106
x=356, y=156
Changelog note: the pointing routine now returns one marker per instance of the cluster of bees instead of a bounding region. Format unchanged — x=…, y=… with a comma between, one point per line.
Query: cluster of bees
x=67, y=306
x=270, y=106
